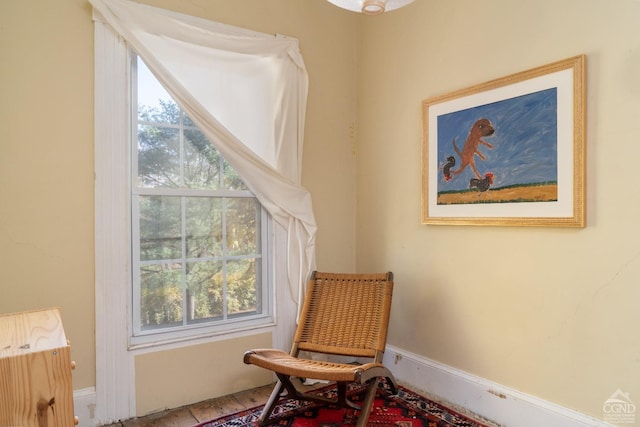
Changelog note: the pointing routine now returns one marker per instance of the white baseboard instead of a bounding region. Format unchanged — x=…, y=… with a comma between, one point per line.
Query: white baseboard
x=494, y=402
x=491, y=401
x=84, y=405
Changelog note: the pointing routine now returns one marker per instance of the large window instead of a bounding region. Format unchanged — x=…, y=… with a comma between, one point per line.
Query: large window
x=200, y=238
x=269, y=159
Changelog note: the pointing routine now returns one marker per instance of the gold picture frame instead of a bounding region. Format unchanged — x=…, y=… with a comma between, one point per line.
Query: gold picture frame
x=508, y=152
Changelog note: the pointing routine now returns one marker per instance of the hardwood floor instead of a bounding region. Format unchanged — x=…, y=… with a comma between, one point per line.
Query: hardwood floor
x=187, y=416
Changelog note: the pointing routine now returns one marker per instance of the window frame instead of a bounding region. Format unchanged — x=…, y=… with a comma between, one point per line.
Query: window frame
x=139, y=336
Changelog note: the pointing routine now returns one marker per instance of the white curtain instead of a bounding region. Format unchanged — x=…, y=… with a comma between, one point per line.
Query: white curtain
x=247, y=92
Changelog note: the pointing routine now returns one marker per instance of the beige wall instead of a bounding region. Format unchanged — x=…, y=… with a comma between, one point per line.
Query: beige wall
x=193, y=374
x=46, y=167
x=550, y=312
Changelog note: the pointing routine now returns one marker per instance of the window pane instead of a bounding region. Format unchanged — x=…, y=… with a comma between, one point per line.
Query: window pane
x=203, y=224
x=187, y=120
x=205, y=290
x=243, y=287
x=160, y=228
x=158, y=157
x=201, y=161
x=243, y=221
x=154, y=102
x=163, y=112
x=201, y=257
x=232, y=180
x=160, y=295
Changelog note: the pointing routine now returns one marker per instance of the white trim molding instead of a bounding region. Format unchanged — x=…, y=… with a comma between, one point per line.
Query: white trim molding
x=490, y=401
x=84, y=406
x=115, y=393
x=497, y=404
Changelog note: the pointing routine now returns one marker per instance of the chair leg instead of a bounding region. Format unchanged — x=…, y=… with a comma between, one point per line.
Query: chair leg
x=271, y=403
x=342, y=400
x=367, y=403
x=393, y=385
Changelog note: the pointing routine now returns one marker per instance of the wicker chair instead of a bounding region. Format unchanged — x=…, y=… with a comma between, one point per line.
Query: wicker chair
x=343, y=314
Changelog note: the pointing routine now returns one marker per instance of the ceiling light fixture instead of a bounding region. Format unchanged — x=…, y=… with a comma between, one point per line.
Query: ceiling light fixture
x=370, y=7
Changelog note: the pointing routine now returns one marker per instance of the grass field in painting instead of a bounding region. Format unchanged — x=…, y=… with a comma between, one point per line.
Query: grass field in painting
x=542, y=192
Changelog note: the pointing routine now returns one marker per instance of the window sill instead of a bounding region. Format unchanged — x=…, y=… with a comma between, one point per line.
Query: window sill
x=203, y=338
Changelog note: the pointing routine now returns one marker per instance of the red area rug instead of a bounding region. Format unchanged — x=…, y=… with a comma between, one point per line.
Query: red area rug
x=405, y=409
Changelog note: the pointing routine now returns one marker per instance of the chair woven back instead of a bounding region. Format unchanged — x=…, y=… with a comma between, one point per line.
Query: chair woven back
x=346, y=314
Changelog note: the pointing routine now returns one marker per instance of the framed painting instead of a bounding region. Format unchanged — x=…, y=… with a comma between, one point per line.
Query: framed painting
x=509, y=151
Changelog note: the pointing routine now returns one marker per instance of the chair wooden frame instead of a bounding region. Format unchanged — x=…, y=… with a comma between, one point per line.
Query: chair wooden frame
x=342, y=314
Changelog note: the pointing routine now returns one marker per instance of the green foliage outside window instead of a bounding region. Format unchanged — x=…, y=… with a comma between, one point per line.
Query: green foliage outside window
x=199, y=251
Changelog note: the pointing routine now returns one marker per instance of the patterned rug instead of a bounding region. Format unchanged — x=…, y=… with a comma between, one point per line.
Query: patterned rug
x=405, y=409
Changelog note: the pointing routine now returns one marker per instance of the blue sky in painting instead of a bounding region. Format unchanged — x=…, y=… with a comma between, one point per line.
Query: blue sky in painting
x=525, y=140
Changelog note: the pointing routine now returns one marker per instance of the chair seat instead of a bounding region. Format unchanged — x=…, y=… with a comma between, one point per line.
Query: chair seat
x=283, y=363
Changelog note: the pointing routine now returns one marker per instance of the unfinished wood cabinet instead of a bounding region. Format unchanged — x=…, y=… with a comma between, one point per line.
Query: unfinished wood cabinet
x=35, y=370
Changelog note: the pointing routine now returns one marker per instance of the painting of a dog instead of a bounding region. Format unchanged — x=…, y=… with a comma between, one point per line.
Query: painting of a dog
x=508, y=151
x=480, y=129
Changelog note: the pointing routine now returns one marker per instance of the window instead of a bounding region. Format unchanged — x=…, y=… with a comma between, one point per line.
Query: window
x=200, y=238
x=116, y=349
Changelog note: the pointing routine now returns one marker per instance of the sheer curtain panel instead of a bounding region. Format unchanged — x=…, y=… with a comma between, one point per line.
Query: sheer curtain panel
x=247, y=92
